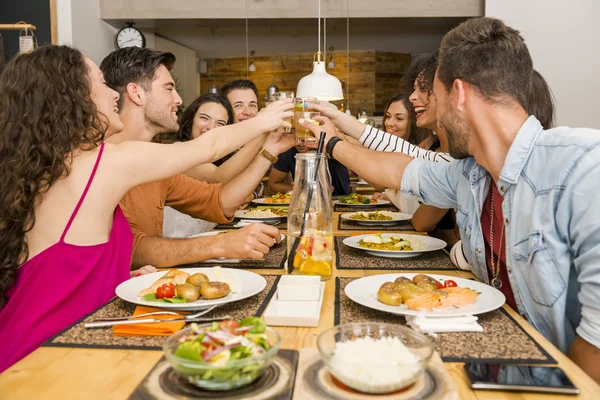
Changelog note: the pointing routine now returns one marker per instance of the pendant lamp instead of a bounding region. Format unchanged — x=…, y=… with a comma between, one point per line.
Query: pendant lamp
x=319, y=83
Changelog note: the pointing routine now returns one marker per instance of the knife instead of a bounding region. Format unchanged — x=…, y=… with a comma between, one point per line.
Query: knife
x=151, y=321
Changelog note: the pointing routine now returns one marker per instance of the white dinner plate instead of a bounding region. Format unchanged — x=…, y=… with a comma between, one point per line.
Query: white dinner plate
x=378, y=203
x=396, y=217
x=262, y=201
x=243, y=284
x=242, y=214
x=429, y=243
x=364, y=292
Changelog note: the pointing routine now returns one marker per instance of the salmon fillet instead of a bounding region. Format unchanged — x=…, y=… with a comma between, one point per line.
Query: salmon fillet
x=174, y=276
x=442, y=299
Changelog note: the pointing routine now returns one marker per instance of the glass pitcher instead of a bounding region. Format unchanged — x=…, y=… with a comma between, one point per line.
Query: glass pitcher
x=310, y=239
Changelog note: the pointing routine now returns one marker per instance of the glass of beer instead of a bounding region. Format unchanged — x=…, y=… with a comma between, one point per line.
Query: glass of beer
x=285, y=95
x=301, y=105
x=304, y=135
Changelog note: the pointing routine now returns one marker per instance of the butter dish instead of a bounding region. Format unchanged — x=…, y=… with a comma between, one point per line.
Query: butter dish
x=298, y=288
x=294, y=313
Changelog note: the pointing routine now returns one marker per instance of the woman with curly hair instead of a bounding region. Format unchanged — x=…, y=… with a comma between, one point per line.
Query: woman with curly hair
x=399, y=119
x=66, y=245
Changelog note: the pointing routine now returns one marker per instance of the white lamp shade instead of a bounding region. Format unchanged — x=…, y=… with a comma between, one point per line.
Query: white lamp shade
x=320, y=84
x=252, y=67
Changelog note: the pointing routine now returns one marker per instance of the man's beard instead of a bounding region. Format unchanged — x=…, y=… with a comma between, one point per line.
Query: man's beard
x=159, y=121
x=458, y=139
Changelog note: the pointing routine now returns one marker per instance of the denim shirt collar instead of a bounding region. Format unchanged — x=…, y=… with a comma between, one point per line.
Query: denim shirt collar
x=520, y=150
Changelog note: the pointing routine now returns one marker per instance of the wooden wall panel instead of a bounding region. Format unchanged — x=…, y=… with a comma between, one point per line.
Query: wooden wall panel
x=362, y=74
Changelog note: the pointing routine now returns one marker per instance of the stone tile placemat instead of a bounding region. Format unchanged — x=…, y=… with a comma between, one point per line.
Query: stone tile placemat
x=272, y=260
x=350, y=258
x=78, y=336
x=502, y=339
x=345, y=225
x=276, y=383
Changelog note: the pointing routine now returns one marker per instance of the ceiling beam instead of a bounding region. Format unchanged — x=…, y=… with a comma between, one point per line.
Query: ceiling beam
x=285, y=9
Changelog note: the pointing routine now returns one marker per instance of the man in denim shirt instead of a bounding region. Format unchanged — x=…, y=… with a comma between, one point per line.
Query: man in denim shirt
x=526, y=199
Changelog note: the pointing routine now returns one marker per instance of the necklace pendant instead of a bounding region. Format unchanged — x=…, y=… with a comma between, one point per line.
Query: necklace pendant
x=497, y=283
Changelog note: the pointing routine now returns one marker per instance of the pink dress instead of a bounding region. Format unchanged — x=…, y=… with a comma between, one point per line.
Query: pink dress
x=62, y=284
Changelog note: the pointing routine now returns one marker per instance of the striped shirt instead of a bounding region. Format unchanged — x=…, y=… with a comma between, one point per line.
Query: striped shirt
x=379, y=140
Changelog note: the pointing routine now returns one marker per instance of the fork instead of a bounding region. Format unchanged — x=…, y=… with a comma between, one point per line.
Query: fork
x=152, y=321
x=183, y=317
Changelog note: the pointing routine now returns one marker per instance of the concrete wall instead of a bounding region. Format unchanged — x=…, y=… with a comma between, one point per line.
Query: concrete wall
x=184, y=71
x=79, y=25
x=562, y=37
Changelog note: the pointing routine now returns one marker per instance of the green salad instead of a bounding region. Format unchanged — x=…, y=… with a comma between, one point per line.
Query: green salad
x=223, y=347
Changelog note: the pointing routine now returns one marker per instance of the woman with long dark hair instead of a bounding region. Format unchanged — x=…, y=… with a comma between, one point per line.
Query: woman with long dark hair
x=66, y=245
x=399, y=119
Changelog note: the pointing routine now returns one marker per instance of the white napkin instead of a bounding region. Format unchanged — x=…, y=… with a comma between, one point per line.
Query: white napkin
x=432, y=325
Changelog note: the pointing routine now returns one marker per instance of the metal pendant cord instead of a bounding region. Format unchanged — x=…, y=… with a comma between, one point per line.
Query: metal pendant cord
x=495, y=267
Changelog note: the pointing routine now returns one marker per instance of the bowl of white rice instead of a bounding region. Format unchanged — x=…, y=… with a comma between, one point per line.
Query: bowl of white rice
x=375, y=358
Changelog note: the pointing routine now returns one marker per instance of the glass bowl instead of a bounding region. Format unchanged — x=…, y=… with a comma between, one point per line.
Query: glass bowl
x=233, y=374
x=376, y=362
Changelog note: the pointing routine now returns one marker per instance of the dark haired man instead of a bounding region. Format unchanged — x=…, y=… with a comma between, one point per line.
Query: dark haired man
x=243, y=96
x=148, y=104
x=526, y=196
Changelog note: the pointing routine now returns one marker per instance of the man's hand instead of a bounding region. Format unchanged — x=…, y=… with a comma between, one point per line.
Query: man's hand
x=278, y=142
x=326, y=109
x=344, y=122
x=325, y=125
x=252, y=241
x=272, y=117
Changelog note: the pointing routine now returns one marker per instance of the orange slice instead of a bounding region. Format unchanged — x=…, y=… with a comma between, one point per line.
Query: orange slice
x=312, y=267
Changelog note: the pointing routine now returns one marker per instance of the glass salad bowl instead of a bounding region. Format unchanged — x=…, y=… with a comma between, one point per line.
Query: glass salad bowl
x=374, y=357
x=213, y=360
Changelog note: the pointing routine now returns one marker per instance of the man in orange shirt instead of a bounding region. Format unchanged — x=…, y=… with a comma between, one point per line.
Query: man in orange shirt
x=148, y=106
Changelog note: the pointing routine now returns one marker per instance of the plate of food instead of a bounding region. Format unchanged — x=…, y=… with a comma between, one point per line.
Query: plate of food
x=262, y=213
x=424, y=295
x=376, y=217
x=192, y=288
x=394, y=245
x=360, y=200
x=276, y=199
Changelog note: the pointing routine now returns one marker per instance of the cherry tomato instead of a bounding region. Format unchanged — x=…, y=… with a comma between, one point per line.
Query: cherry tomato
x=165, y=291
x=450, y=283
x=208, y=348
x=229, y=326
x=441, y=285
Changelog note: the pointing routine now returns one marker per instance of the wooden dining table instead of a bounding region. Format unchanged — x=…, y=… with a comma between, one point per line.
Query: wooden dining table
x=92, y=373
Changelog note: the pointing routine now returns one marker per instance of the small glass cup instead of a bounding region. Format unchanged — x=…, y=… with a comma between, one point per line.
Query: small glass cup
x=285, y=95
x=304, y=135
x=301, y=104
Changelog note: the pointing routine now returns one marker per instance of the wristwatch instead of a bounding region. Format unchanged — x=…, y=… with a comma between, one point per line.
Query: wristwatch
x=268, y=156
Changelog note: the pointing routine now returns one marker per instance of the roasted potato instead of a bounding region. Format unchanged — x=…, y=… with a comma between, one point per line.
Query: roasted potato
x=197, y=280
x=422, y=278
x=188, y=291
x=214, y=290
x=410, y=290
x=389, y=295
x=402, y=279
x=429, y=287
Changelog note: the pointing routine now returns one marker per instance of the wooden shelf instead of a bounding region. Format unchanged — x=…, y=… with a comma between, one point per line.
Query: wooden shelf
x=16, y=27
